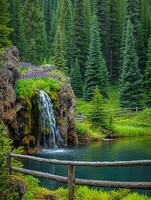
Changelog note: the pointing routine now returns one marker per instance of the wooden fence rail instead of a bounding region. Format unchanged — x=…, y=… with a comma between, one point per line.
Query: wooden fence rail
x=72, y=180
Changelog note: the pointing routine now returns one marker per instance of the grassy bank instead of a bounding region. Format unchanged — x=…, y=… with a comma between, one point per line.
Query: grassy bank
x=125, y=122
x=35, y=192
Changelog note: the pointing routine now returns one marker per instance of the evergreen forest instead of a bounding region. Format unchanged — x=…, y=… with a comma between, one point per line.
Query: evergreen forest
x=75, y=73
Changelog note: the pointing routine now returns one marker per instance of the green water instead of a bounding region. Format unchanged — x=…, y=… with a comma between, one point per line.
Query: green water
x=117, y=150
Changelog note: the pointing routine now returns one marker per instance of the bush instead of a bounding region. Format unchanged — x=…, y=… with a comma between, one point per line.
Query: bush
x=6, y=146
x=98, y=116
x=144, y=117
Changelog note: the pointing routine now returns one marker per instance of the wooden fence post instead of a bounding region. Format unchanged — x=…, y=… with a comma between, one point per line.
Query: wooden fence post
x=8, y=162
x=71, y=181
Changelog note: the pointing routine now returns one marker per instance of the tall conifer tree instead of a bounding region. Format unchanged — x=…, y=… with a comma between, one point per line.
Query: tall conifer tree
x=64, y=18
x=4, y=18
x=96, y=72
x=48, y=14
x=16, y=22
x=59, y=53
x=148, y=75
x=114, y=45
x=131, y=78
x=76, y=81
x=133, y=11
x=79, y=34
x=35, y=31
x=103, y=12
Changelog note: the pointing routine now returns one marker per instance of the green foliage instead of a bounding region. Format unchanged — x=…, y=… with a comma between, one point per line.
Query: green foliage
x=6, y=146
x=114, y=45
x=59, y=52
x=98, y=116
x=134, y=126
x=26, y=88
x=80, y=35
x=85, y=128
x=131, y=131
x=144, y=117
x=84, y=193
x=32, y=185
x=131, y=79
x=16, y=22
x=148, y=76
x=34, y=27
x=64, y=19
x=76, y=81
x=96, y=71
x=133, y=11
x=49, y=7
x=24, y=70
x=103, y=12
x=4, y=30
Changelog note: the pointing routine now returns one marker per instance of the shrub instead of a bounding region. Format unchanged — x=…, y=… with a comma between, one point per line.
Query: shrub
x=6, y=145
x=98, y=116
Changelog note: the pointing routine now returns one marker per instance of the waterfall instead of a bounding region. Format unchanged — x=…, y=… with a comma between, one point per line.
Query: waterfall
x=50, y=136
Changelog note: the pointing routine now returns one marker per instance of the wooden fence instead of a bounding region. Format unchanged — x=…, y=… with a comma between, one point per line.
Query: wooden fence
x=71, y=180
x=123, y=112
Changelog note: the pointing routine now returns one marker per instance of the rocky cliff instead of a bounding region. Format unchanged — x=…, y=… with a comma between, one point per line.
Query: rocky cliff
x=9, y=72
x=21, y=115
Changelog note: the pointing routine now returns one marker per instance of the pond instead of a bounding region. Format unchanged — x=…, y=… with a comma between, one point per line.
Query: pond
x=126, y=149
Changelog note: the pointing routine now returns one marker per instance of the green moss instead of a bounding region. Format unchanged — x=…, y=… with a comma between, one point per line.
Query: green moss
x=26, y=88
x=54, y=97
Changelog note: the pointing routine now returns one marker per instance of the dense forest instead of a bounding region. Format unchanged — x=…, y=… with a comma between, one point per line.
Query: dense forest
x=75, y=84
x=97, y=42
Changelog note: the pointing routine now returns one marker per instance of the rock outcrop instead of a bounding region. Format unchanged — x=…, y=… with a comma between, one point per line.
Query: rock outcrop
x=22, y=115
x=9, y=72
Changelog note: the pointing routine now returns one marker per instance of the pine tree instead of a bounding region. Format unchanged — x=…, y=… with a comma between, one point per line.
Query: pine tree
x=64, y=18
x=16, y=22
x=114, y=45
x=35, y=31
x=123, y=44
x=103, y=12
x=98, y=116
x=148, y=75
x=59, y=53
x=145, y=17
x=4, y=19
x=80, y=35
x=49, y=8
x=96, y=72
x=131, y=78
x=76, y=81
x=133, y=11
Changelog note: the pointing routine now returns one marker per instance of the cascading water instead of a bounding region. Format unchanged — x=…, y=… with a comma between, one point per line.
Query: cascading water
x=50, y=136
